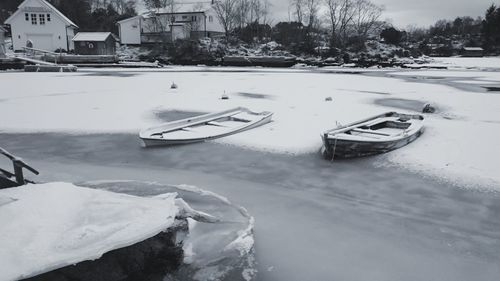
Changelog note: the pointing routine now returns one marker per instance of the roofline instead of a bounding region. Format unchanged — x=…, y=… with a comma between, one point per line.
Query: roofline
x=177, y=13
x=128, y=19
x=56, y=11
x=108, y=34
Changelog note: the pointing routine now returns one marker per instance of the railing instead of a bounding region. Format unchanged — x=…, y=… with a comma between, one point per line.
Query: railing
x=34, y=51
x=18, y=164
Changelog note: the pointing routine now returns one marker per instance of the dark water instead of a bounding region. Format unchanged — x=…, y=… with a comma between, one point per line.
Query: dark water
x=405, y=104
x=255, y=95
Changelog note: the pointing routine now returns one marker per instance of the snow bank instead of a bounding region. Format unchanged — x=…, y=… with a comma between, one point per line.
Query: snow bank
x=470, y=63
x=49, y=226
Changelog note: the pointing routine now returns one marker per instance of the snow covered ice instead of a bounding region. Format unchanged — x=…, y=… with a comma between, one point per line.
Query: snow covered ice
x=115, y=100
x=400, y=211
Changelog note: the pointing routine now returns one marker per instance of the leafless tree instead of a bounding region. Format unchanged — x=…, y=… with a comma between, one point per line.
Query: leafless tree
x=226, y=11
x=242, y=13
x=332, y=11
x=158, y=21
x=340, y=15
x=266, y=11
x=156, y=5
x=123, y=6
x=311, y=11
x=255, y=10
x=366, y=17
x=298, y=9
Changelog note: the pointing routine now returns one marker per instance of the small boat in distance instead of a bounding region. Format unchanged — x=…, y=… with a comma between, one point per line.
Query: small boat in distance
x=378, y=134
x=204, y=127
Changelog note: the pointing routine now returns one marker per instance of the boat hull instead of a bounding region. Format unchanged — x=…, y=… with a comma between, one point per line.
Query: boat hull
x=335, y=148
x=150, y=142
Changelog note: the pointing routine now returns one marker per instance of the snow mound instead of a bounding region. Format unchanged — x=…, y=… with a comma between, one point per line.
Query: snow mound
x=49, y=226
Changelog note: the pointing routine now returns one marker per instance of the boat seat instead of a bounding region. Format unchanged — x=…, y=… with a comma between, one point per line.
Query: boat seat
x=215, y=123
x=370, y=132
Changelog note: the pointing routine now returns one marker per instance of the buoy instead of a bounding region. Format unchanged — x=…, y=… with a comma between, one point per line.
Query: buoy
x=174, y=86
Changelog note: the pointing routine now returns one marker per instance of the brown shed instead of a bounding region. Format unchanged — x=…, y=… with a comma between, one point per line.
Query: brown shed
x=472, y=52
x=95, y=43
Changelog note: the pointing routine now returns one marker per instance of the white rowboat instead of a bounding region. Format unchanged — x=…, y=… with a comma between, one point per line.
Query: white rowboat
x=204, y=127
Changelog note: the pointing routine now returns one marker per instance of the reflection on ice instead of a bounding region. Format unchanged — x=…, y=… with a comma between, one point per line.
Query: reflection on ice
x=218, y=249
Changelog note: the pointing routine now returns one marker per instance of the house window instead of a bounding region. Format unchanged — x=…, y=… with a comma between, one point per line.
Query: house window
x=42, y=19
x=210, y=18
x=48, y=17
x=27, y=17
x=194, y=18
x=184, y=17
x=33, y=19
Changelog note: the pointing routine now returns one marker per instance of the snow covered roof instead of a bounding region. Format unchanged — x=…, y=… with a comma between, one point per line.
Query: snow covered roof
x=92, y=36
x=473, y=49
x=128, y=19
x=46, y=4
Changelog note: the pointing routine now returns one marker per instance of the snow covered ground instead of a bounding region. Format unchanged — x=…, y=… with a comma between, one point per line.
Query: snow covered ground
x=460, y=144
x=492, y=63
x=49, y=226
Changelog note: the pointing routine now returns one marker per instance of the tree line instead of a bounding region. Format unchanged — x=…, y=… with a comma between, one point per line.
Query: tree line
x=462, y=31
x=345, y=23
x=337, y=24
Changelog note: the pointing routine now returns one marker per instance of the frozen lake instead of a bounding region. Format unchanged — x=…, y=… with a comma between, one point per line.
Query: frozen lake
x=428, y=211
x=315, y=220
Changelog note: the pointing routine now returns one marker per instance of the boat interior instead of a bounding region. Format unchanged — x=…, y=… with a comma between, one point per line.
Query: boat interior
x=381, y=129
x=211, y=127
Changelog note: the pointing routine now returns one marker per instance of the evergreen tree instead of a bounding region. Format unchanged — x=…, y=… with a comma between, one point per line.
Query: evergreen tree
x=392, y=35
x=7, y=7
x=491, y=28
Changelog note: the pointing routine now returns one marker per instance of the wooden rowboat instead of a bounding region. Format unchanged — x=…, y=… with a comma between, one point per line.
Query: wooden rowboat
x=378, y=134
x=204, y=127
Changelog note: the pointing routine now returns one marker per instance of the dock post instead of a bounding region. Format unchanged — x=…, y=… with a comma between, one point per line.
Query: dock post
x=18, y=171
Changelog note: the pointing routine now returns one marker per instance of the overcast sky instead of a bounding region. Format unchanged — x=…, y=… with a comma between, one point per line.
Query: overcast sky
x=406, y=12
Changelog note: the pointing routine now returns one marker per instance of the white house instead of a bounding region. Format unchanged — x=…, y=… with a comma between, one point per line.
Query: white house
x=180, y=21
x=2, y=42
x=37, y=22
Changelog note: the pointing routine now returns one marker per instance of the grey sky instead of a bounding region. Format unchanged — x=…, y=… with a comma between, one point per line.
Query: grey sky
x=418, y=12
